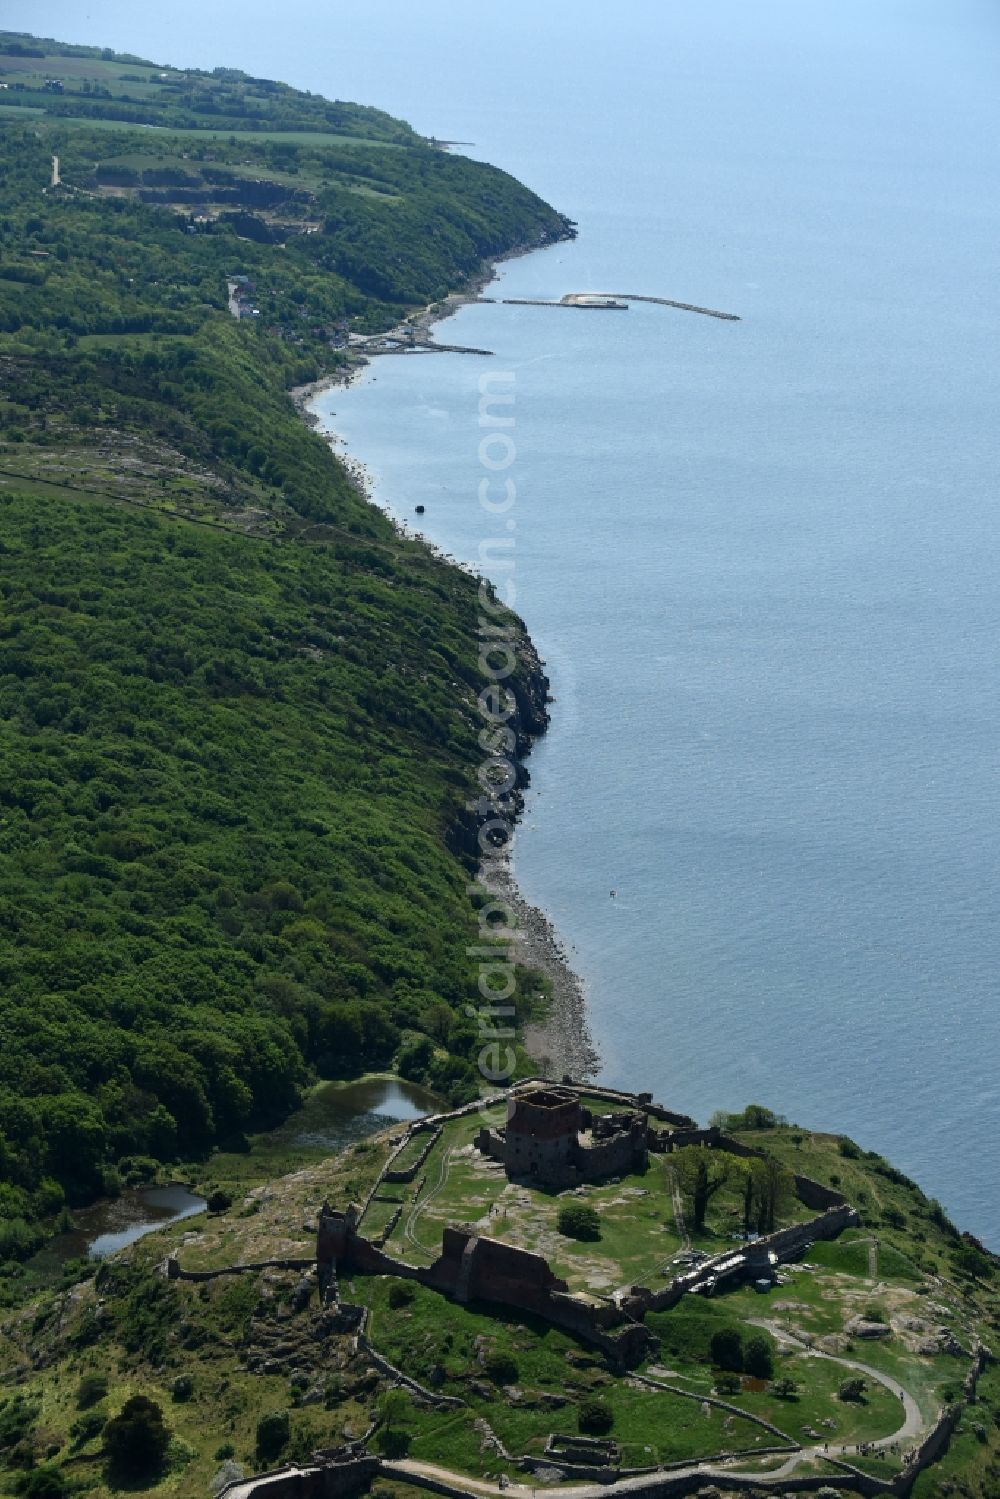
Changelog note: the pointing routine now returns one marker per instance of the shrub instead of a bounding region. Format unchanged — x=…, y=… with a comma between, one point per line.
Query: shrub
x=577, y=1220
x=937, y=1214
x=237, y=1303
x=146, y=1311
x=182, y=1388
x=853, y=1389
x=756, y=1116
x=43, y=1483
x=401, y=1293
x=87, y=1427
x=414, y=1060
x=595, y=1417
x=758, y=1358
x=393, y=1441
x=848, y=1149
x=91, y=1389
x=334, y=1393
x=47, y=1198
x=728, y=1384
x=726, y=1349
x=219, y=1201
x=272, y=1435
x=501, y=1368
x=785, y=1388
x=19, y=1239
x=111, y=1181
x=393, y=1408
x=973, y=1261
x=136, y=1169
x=221, y=1454
x=136, y=1441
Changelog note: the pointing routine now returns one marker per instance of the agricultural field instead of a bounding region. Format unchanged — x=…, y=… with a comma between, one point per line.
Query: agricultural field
x=87, y=84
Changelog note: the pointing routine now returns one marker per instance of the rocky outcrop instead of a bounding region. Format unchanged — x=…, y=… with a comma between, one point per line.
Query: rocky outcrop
x=862, y=1327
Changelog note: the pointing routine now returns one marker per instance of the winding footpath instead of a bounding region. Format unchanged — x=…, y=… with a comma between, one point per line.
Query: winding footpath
x=913, y=1427
x=678, y=1202
x=409, y=1227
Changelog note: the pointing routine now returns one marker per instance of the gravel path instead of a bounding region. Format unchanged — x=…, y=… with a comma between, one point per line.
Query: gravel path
x=913, y=1422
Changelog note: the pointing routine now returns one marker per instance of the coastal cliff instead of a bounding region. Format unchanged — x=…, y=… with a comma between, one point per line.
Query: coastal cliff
x=258, y=728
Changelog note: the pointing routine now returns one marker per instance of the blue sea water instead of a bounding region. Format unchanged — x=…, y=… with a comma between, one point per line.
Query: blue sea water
x=760, y=558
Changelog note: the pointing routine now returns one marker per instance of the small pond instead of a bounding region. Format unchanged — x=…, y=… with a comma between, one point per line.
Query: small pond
x=334, y=1116
x=135, y=1213
x=112, y=1223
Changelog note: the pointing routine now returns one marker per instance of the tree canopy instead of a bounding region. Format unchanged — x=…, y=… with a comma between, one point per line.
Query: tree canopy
x=237, y=710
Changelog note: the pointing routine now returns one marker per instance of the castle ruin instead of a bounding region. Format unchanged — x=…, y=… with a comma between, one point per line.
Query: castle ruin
x=475, y=1267
x=552, y=1141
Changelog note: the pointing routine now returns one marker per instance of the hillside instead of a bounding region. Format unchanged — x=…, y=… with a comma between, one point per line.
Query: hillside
x=840, y=1370
x=239, y=712
x=239, y=742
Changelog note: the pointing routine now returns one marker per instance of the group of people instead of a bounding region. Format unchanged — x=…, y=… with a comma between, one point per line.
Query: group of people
x=865, y=1449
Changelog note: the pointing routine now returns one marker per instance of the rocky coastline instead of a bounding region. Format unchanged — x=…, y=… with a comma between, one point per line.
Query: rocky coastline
x=559, y=1042
x=436, y=312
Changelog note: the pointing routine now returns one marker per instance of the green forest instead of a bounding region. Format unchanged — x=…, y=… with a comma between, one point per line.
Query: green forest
x=238, y=732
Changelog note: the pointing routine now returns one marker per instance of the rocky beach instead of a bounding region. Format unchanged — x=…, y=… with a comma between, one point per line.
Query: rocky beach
x=560, y=1042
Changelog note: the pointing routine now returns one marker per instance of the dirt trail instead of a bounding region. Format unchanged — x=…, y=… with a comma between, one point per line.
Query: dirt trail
x=678, y=1201
x=912, y=1427
x=913, y=1422
x=409, y=1227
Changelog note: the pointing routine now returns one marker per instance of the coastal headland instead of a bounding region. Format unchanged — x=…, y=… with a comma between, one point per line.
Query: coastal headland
x=428, y=1312
x=242, y=738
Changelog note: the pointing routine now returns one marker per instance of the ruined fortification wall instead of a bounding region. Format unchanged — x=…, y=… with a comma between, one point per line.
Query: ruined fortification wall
x=814, y=1195
x=627, y=1100
x=489, y=1143
x=667, y=1485
x=316, y=1481
x=173, y=1271
x=713, y=1137
x=499, y=1266
x=391, y=1371
x=937, y=1439
x=471, y=1267
x=407, y=1173
x=786, y=1243
x=620, y=1153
